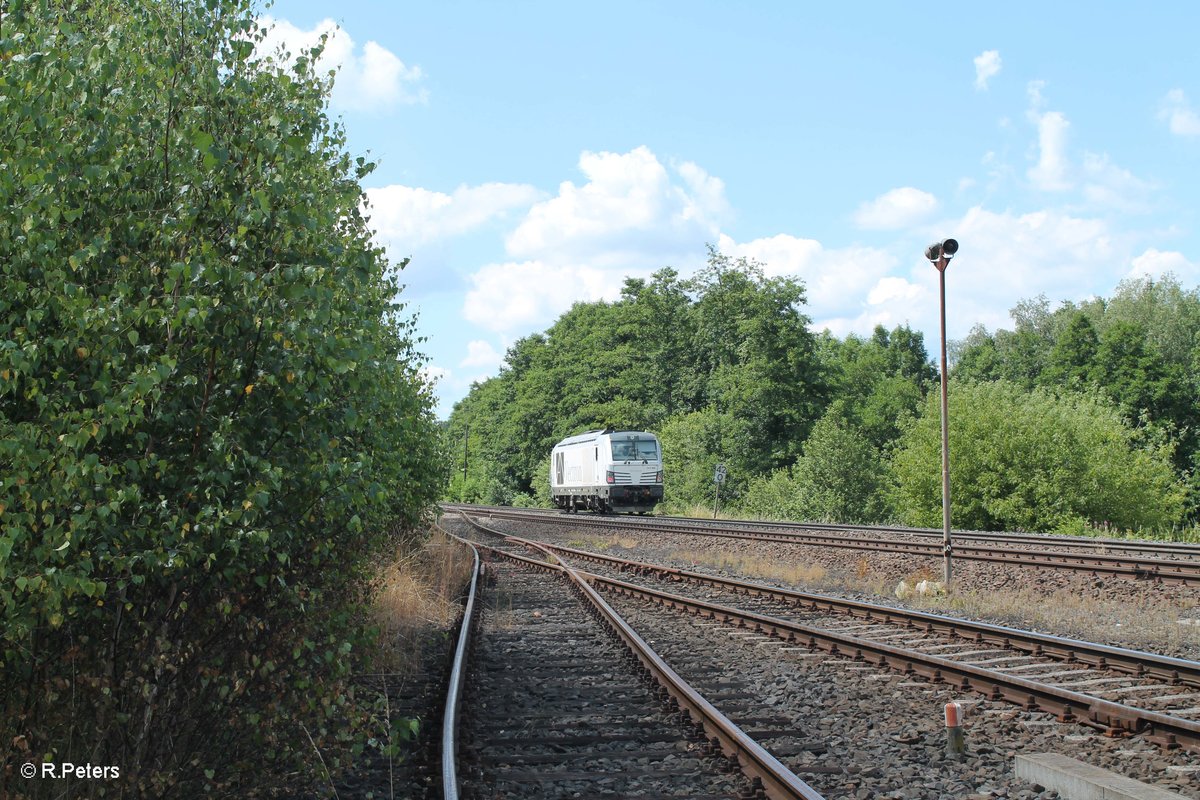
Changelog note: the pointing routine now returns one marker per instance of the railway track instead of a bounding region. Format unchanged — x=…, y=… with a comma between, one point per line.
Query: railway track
x=576, y=716
x=1163, y=549
x=1183, y=569
x=1117, y=691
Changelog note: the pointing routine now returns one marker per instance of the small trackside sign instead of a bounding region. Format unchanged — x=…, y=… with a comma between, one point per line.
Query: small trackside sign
x=719, y=475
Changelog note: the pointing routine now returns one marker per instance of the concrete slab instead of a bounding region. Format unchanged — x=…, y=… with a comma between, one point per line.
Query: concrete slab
x=1075, y=780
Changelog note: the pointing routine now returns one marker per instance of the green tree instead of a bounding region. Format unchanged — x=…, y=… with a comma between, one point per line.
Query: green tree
x=730, y=346
x=1033, y=461
x=839, y=478
x=975, y=358
x=1020, y=355
x=1141, y=347
x=1138, y=378
x=760, y=357
x=1168, y=313
x=692, y=445
x=211, y=418
x=878, y=382
x=1072, y=359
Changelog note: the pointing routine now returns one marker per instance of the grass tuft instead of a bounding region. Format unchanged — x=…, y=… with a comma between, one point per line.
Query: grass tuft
x=754, y=566
x=418, y=593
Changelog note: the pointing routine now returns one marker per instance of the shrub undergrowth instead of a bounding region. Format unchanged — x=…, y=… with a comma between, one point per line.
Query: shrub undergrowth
x=211, y=416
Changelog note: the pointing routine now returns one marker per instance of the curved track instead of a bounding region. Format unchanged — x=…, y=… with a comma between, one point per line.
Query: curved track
x=1077, y=681
x=1182, y=569
x=722, y=736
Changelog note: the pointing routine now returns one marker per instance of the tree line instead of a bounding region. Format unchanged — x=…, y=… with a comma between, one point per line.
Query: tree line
x=1080, y=419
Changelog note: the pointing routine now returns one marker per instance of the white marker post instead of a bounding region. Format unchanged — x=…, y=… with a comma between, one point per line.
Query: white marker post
x=718, y=479
x=956, y=744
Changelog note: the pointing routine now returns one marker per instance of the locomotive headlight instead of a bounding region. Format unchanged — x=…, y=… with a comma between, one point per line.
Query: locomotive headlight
x=609, y=477
x=659, y=477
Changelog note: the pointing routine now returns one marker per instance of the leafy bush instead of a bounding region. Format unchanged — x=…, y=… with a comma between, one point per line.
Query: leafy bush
x=1033, y=461
x=837, y=479
x=691, y=448
x=211, y=413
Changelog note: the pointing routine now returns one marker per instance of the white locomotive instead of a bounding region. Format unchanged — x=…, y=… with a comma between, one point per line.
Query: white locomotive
x=607, y=471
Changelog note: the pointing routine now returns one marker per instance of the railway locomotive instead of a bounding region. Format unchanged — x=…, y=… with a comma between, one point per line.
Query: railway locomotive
x=611, y=472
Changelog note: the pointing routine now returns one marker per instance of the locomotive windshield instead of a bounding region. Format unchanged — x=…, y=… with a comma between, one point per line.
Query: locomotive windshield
x=635, y=450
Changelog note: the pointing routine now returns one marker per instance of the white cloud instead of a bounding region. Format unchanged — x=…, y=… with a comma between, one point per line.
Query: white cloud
x=782, y=254
x=1101, y=183
x=409, y=216
x=987, y=66
x=1050, y=172
x=1037, y=101
x=370, y=79
x=481, y=354
x=892, y=288
x=836, y=280
x=629, y=204
x=525, y=295
x=896, y=209
x=1004, y=259
x=633, y=215
x=1156, y=263
x=890, y=302
x=1178, y=114
x=1110, y=186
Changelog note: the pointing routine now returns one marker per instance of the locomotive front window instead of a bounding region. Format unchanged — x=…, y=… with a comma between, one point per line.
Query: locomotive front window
x=635, y=450
x=624, y=450
x=647, y=449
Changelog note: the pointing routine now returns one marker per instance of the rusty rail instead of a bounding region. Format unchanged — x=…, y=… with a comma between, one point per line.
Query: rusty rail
x=1132, y=662
x=1066, y=704
x=778, y=782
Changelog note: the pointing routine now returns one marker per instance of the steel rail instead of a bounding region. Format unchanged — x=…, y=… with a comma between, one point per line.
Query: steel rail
x=1132, y=662
x=777, y=781
x=1163, y=570
x=1069, y=706
x=1113, y=718
x=457, y=677
x=1036, y=539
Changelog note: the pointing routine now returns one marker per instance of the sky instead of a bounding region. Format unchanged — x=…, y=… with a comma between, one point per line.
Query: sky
x=535, y=154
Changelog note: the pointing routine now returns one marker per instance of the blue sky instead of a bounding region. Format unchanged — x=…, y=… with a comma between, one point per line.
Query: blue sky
x=532, y=155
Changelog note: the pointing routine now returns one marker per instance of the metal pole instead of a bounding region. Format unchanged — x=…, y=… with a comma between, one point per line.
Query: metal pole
x=947, y=546
x=466, y=439
x=717, y=500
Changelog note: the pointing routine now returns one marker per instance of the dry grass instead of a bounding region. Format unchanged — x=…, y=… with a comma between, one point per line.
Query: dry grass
x=698, y=511
x=753, y=566
x=1151, y=626
x=862, y=568
x=418, y=595
x=602, y=543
